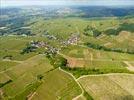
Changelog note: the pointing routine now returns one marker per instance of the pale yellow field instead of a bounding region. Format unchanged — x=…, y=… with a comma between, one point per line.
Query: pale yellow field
x=109, y=87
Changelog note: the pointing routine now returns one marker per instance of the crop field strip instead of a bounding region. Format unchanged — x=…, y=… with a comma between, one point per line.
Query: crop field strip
x=109, y=87
x=98, y=58
x=97, y=54
x=4, y=65
x=4, y=78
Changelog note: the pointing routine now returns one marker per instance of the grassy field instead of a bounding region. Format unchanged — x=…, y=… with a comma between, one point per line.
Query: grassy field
x=66, y=88
x=4, y=78
x=54, y=26
x=109, y=87
x=4, y=65
x=13, y=46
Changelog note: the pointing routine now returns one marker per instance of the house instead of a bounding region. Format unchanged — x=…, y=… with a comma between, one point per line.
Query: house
x=73, y=39
x=39, y=44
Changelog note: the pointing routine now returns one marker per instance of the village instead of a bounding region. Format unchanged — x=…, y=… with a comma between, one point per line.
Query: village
x=72, y=40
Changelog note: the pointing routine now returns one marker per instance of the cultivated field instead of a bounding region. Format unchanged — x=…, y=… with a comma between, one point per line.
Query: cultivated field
x=4, y=65
x=109, y=87
x=66, y=88
x=98, y=59
x=24, y=77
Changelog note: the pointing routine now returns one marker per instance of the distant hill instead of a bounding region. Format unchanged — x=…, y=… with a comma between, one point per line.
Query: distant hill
x=96, y=11
x=79, y=11
x=12, y=19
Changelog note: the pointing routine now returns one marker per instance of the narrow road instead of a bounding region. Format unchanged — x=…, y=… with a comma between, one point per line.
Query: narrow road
x=30, y=98
x=12, y=60
x=1, y=94
x=86, y=55
x=91, y=56
x=84, y=76
x=77, y=30
x=76, y=82
x=130, y=67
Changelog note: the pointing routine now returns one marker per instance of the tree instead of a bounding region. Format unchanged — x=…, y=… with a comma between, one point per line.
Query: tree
x=90, y=31
x=28, y=49
x=39, y=77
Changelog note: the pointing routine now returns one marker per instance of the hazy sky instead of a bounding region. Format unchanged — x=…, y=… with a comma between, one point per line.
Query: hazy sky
x=65, y=2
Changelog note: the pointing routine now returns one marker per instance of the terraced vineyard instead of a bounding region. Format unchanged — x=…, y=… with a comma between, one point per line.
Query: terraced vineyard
x=56, y=55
